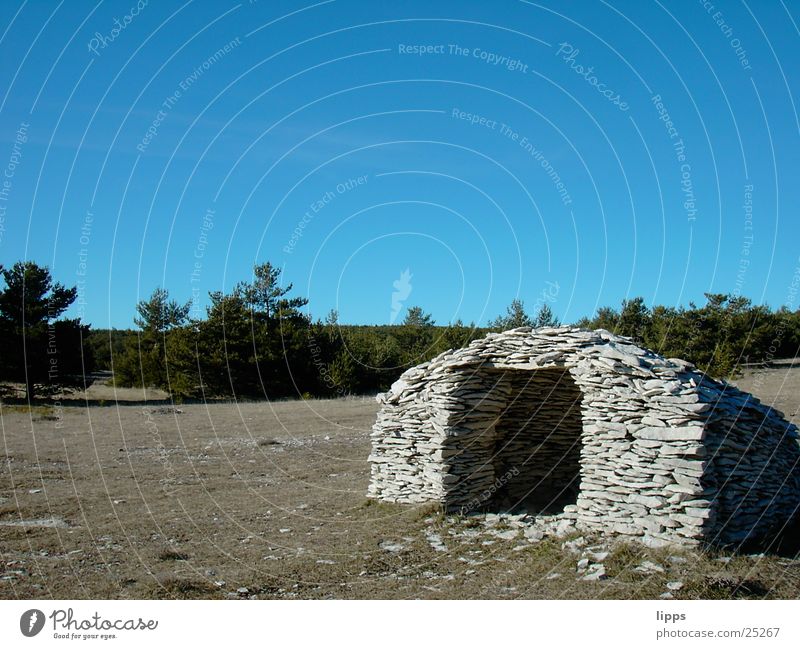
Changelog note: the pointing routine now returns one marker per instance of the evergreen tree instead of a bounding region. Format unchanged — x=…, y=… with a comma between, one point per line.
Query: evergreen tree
x=144, y=362
x=159, y=314
x=226, y=348
x=35, y=346
x=265, y=295
x=545, y=317
x=416, y=317
x=515, y=317
x=342, y=373
x=634, y=320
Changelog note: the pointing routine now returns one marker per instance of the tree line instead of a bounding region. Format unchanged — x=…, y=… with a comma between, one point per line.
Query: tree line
x=257, y=341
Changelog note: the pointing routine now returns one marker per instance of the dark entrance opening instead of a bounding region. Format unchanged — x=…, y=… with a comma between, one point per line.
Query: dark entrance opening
x=537, y=442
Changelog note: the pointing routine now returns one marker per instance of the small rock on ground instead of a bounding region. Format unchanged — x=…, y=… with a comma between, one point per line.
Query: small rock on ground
x=596, y=573
x=649, y=567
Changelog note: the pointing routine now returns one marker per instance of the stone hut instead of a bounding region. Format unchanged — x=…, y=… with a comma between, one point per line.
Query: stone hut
x=587, y=426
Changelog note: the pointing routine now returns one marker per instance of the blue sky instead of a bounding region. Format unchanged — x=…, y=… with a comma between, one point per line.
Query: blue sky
x=493, y=150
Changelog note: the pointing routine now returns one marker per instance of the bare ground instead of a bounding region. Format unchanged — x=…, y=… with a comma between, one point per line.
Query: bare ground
x=267, y=500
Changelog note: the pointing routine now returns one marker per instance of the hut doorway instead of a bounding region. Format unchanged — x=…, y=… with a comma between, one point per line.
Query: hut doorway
x=526, y=456
x=537, y=448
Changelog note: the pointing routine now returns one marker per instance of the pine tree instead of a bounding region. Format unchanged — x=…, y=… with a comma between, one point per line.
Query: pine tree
x=545, y=317
x=515, y=317
x=265, y=296
x=35, y=346
x=416, y=317
x=159, y=314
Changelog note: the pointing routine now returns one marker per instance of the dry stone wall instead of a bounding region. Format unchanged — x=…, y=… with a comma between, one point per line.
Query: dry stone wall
x=625, y=441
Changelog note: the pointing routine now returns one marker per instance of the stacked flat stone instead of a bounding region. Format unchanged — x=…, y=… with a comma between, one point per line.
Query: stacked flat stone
x=641, y=445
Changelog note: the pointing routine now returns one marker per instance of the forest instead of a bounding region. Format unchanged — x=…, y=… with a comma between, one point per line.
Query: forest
x=258, y=341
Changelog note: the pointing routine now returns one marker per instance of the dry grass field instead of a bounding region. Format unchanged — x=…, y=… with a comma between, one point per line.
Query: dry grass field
x=266, y=500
